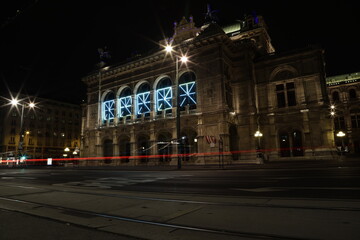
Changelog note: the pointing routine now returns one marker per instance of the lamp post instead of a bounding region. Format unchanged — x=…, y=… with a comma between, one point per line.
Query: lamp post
x=258, y=135
x=341, y=135
x=66, y=154
x=181, y=59
x=15, y=102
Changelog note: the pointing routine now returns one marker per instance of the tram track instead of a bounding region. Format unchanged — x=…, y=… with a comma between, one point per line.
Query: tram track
x=174, y=212
x=200, y=202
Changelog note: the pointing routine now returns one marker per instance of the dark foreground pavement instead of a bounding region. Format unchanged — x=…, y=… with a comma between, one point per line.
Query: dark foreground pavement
x=19, y=226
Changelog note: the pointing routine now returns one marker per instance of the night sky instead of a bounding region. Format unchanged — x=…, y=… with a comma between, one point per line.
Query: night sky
x=48, y=46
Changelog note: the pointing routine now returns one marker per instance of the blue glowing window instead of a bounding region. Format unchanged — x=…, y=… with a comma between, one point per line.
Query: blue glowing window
x=108, y=107
x=163, y=99
x=143, y=99
x=143, y=103
x=187, y=94
x=125, y=103
x=125, y=106
x=164, y=95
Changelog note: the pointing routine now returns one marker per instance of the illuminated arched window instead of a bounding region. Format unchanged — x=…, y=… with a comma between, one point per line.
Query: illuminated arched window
x=108, y=107
x=187, y=90
x=143, y=100
x=125, y=103
x=164, y=95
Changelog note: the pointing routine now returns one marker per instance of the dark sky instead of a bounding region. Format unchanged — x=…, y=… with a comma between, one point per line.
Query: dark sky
x=47, y=46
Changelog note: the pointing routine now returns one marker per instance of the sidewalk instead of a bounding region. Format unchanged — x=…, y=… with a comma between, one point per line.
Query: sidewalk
x=346, y=162
x=266, y=217
x=20, y=226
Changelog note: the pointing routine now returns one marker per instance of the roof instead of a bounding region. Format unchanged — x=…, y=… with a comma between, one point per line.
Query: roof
x=343, y=79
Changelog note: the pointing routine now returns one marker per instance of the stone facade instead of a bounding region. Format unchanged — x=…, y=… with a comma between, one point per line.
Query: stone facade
x=344, y=94
x=240, y=86
x=47, y=129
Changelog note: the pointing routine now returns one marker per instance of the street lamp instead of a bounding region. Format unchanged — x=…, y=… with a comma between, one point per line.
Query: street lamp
x=341, y=135
x=15, y=102
x=181, y=59
x=258, y=135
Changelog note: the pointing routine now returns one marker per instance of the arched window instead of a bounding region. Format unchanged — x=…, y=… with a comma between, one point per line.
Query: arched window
x=125, y=102
x=108, y=107
x=335, y=96
x=187, y=90
x=143, y=142
x=124, y=148
x=284, y=144
x=188, y=143
x=297, y=144
x=355, y=118
x=234, y=142
x=143, y=100
x=164, y=147
x=108, y=150
x=164, y=95
x=352, y=94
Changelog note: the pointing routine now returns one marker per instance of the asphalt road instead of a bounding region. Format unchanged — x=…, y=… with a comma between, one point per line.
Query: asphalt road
x=268, y=201
x=335, y=181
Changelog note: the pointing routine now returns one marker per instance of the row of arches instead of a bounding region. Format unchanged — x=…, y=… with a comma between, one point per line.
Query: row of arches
x=352, y=95
x=139, y=101
x=290, y=143
x=145, y=149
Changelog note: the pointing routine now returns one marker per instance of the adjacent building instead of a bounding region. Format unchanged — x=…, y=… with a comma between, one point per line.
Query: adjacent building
x=39, y=131
x=235, y=100
x=344, y=94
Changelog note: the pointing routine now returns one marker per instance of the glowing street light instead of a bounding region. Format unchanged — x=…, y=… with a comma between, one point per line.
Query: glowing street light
x=15, y=102
x=332, y=110
x=258, y=135
x=341, y=135
x=183, y=59
x=168, y=48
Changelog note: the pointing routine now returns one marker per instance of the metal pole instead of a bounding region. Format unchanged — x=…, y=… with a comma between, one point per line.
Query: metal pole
x=99, y=100
x=259, y=146
x=20, y=147
x=178, y=114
